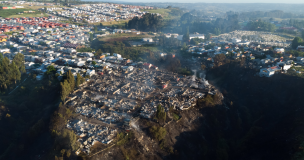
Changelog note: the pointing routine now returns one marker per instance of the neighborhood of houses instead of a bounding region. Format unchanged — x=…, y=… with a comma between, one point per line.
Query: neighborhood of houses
x=95, y=13
x=116, y=88
x=249, y=45
x=124, y=89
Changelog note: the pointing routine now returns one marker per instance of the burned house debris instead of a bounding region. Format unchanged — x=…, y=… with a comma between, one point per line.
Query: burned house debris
x=118, y=94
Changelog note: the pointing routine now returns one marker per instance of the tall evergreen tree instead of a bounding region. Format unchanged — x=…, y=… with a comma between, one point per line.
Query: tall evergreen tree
x=70, y=80
x=186, y=36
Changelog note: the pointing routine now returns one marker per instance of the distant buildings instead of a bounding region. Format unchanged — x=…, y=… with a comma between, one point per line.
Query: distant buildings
x=300, y=48
x=200, y=36
x=235, y=40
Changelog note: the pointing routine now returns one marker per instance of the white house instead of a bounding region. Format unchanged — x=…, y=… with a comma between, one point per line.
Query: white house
x=4, y=50
x=200, y=36
x=235, y=40
x=147, y=40
x=268, y=72
x=90, y=72
x=117, y=55
x=279, y=50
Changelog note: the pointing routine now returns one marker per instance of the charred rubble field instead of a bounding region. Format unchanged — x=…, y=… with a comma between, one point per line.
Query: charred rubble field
x=125, y=113
x=259, y=118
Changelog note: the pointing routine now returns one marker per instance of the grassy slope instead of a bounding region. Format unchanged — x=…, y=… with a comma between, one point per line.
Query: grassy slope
x=28, y=15
x=164, y=12
x=12, y=13
x=120, y=23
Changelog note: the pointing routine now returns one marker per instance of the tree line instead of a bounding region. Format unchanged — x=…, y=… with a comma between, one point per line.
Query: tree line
x=260, y=26
x=187, y=22
x=10, y=72
x=69, y=83
x=297, y=41
x=148, y=22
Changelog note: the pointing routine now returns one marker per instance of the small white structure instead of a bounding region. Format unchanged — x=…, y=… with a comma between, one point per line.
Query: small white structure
x=90, y=72
x=235, y=40
x=279, y=50
x=150, y=40
x=117, y=55
x=200, y=36
x=268, y=72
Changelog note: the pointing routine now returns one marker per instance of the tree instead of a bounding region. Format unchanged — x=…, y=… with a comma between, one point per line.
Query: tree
x=63, y=92
x=186, y=36
x=67, y=86
x=217, y=31
x=158, y=133
x=19, y=61
x=203, y=67
x=1, y=57
x=148, y=22
x=79, y=80
x=94, y=63
x=296, y=42
x=95, y=29
x=71, y=80
x=91, y=37
x=62, y=152
x=68, y=153
x=161, y=114
x=219, y=58
x=50, y=70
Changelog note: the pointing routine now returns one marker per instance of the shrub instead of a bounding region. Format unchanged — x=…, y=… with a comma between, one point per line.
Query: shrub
x=158, y=133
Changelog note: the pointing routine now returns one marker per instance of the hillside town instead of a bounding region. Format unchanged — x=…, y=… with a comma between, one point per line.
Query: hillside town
x=117, y=89
x=96, y=13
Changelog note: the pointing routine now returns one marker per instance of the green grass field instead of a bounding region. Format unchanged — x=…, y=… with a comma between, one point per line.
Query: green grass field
x=117, y=23
x=13, y=13
x=164, y=12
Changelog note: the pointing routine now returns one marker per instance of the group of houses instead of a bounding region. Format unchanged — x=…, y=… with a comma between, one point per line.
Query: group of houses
x=95, y=13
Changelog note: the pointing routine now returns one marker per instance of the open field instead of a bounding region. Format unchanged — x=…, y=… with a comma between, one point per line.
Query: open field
x=164, y=12
x=37, y=7
x=13, y=13
x=119, y=23
x=285, y=35
x=124, y=36
x=32, y=7
x=28, y=15
x=282, y=19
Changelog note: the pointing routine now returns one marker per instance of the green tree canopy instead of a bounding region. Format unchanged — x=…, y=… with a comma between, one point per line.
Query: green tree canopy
x=296, y=42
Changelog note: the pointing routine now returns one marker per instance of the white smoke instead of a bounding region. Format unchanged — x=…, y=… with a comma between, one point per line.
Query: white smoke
x=98, y=97
x=134, y=125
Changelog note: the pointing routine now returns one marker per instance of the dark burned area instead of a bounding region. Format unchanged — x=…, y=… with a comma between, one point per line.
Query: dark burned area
x=260, y=118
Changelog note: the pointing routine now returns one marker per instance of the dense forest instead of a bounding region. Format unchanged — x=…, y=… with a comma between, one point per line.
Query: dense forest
x=149, y=22
x=187, y=22
x=10, y=72
x=297, y=41
x=260, y=26
x=261, y=14
x=24, y=116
